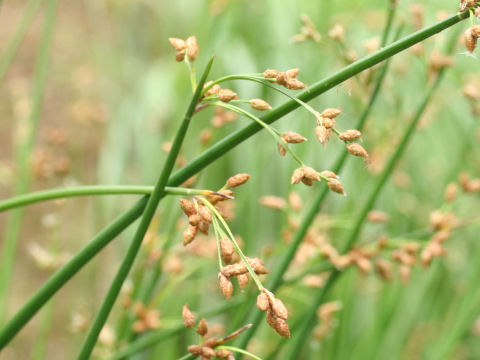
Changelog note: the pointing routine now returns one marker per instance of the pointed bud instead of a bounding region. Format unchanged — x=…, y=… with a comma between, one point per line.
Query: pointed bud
x=328, y=123
x=322, y=134
x=357, y=150
x=281, y=149
x=292, y=137
x=331, y=113
x=227, y=95
x=350, y=135
x=297, y=176
x=188, y=317
x=192, y=47
x=178, y=44
x=279, y=309
x=262, y=302
x=259, y=104
x=238, y=180
x=189, y=235
x=311, y=173
x=202, y=328
x=336, y=186
x=270, y=73
x=187, y=207
x=205, y=214
x=226, y=286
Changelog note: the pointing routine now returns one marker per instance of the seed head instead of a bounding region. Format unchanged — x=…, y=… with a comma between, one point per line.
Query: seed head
x=331, y=113
x=357, y=150
x=227, y=251
x=212, y=90
x=311, y=173
x=307, y=181
x=180, y=55
x=278, y=324
x=291, y=137
x=234, y=270
x=292, y=73
x=336, y=186
x=270, y=73
x=350, y=135
x=262, y=302
x=258, y=266
x=187, y=207
x=194, y=220
x=223, y=354
x=282, y=78
x=227, y=95
x=195, y=350
x=178, y=44
x=243, y=280
x=322, y=134
x=189, y=235
x=297, y=175
x=281, y=149
x=205, y=214
x=329, y=174
x=328, y=122
x=188, y=317
x=279, y=309
x=211, y=342
x=203, y=227
x=226, y=285
x=465, y=4
x=202, y=327
x=238, y=180
x=294, y=84
x=192, y=47
x=259, y=104
x=384, y=269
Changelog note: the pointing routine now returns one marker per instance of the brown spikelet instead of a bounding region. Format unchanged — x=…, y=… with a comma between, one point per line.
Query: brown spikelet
x=205, y=214
x=227, y=251
x=357, y=150
x=307, y=181
x=328, y=123
x=311, y=173
x=223, y=354
x=213, y=90
x=189, y=235
x=270, y=73
x=282, y=78
x=180, y=55
x=294, y=84
x=281, y=149
x=203, y=227
x=384, y=269
x=279, y=309
x=329, y=174
x=211, y=342
x=336, y=186
x=187, y=207
x=238, y=180
x=192, y=48
x=243, y=280
x=258, y=266
x=278, y=324
x=194, y=220
x=259, y=104
x=188, y=317
x=234, y=269
x=297, y=176
x=322, y=134
x=195, y=350
x=227, y=95
x=262, y=302
x=291, y=137
x=470, y=37
x=350, y=135
x=202, y=327
x=292, y=73
x=178, y=44
x=226, y=285
x=331, y=113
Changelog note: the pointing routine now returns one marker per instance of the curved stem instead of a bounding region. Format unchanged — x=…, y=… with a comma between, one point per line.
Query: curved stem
x=52, y=194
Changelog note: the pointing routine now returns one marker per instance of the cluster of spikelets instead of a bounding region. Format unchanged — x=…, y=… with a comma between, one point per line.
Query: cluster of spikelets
x=188, y=47
x=208, y=342
x=471, y=35
x=277, y=312
x=200, y=216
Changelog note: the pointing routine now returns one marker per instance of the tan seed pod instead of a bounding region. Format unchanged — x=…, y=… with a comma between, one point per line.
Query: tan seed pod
x=311, y=173
x=188, y=317
x=273, y=202
x=205, y=214
x=282, y=78
x=297, y=176
x=203, y=227
x=222, y=354
x=180, y=55
x=207, y=352
x=357, y=150
x=278, y=324
x=270, y=73
x=329, y=174
x=212, y=90
x=470, y=40
x=322, y=134
x=291, y=137
x=192, y=47
x=202, y=327
x=281, y=149
x=211, y=342
x=295, y=84
x=258, y=266
x=259, y=104
x=336, y=186
x=263, y=303
x=350, y=135
x=279, y=309
x=234, y=270
x=178, y=44
x=465, y=4
x=189, y=235
x=243, y=280
x=227, y=251
x=307, y=181
x=331, y=113
x=227, y=95
x=195, y=350
x=328, y=123
x=292, y=73
x=238, y=180
x=194, y=220
x=226, y=285
x=187, y=207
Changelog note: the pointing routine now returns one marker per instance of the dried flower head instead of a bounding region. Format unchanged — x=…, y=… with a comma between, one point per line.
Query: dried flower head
x=322, y=134
x=331, y=113
x=238, y=180
x=311, y=173
x=470, y=37
x=227, y=95
x=336, y=186
x=226, y=285
x=270, y=74
x=263, y=302
x=188, y=317
x=357, y=150
x=297, y=175
x=189, y=234
x=192, y=48
x=187, y=207
x=291, y=137
x=350, y=135
x=202, y=327
x=259, y=104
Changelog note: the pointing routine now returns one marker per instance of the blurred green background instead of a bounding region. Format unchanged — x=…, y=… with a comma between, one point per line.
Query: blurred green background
x=115, y=95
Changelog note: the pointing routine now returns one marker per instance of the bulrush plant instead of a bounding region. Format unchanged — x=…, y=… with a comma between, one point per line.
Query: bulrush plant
x=207, y=213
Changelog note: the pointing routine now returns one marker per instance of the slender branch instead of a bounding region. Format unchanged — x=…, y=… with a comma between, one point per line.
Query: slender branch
x=154, y=199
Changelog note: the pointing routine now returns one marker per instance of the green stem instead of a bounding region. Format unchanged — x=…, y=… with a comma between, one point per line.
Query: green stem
x=67, y=271
x=39, y=196
x=154, y=199
x=308, y=321
x=235, y=349
x=23, y=150
x=15, y=41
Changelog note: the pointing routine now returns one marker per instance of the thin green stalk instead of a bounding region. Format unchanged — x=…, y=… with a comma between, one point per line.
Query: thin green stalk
x=235, y=349
x=276, y=277
x=46, y=195
x=154, y=199
x=155, y=337
x=308, y=321
x=16, y=39
x=23, y=151
x=67, y=271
